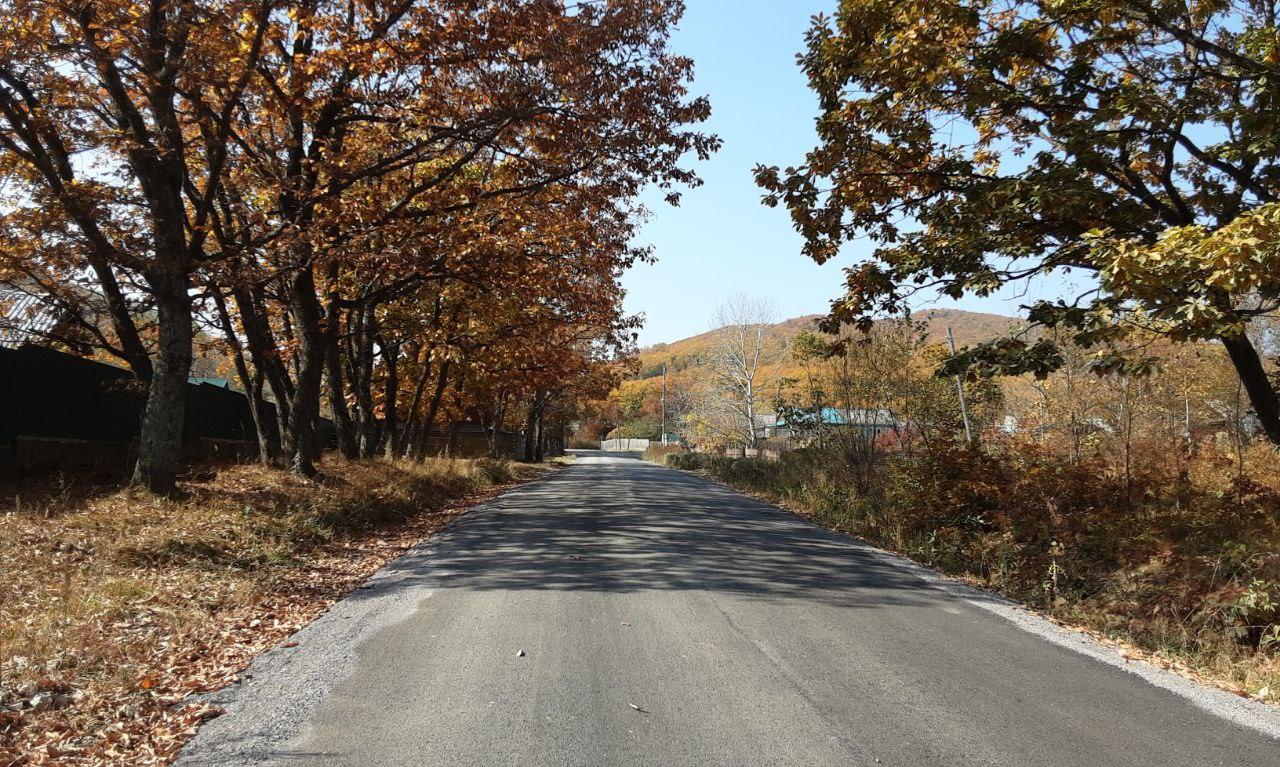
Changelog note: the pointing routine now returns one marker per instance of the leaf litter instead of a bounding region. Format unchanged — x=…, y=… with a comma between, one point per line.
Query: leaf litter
x=116, y=608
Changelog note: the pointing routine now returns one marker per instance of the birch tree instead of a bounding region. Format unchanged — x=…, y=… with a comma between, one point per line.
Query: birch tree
x=740, y=346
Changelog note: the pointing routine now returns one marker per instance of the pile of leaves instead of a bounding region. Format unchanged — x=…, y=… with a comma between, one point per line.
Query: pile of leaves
x=1183, y=568
x=117, y=606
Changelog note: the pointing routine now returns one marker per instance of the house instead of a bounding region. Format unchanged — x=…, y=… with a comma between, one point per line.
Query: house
x=765, y=425
x=802, y=423
x=871, y=423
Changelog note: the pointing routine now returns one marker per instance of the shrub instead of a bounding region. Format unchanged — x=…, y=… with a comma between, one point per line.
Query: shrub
x=658, y=453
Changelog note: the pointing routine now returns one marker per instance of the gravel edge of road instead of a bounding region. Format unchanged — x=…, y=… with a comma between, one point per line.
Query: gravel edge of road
x=1244, y=712
x=262, y=719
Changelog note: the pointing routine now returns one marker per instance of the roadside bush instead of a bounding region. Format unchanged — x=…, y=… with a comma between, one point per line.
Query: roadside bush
x=686, y=461
x=659, y=453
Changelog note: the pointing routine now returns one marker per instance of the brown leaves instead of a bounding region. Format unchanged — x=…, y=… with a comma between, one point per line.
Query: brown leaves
x=100, y=653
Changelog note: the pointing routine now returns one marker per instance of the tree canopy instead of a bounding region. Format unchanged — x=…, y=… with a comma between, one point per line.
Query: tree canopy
x=357, y=197
x=986, y=142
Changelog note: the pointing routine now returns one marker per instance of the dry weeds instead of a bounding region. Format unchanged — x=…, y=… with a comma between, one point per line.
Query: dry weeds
x=116, y=607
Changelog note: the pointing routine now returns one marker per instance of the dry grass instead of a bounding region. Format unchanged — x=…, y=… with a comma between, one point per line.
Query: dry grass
x=657, y=453
x=115, y=605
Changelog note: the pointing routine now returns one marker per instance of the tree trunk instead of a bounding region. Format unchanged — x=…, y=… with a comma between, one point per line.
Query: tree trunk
x=405, y=443
x=390, y=390
x=304, y=411
x=264, y=415
x=530, y=425
x=450, y=443
x=539, y=449
x=1253, y=376
x=342, y=424
x=424, y=436
x=252, y=384
x=261, y=342
x=266, y=355
x=499, y=415
x=160, y=440
x=453, y=427
x=360, y=356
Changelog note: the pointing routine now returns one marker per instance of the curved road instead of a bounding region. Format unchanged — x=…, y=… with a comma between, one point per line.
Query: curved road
x=666, y=620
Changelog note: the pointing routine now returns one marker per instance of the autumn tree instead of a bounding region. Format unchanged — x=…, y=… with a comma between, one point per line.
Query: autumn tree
x=115, y=121
x=372, y=203
x=882, y=385
x=385, y=132
x=987, y=142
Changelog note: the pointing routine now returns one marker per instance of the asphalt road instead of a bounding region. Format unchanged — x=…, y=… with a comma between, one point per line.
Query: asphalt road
x=665, y=620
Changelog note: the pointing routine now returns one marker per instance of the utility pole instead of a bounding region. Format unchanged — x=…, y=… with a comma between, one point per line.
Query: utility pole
x=664, y=405
x=964, y=410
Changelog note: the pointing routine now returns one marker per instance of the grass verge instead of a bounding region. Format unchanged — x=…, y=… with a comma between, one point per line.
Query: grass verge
x=116, y=606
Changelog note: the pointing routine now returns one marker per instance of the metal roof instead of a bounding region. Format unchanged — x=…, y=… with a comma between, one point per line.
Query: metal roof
x=856, y=416
x=25, y=317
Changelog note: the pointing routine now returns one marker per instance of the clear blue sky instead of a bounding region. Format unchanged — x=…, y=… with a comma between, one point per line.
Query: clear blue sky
x=721, y=240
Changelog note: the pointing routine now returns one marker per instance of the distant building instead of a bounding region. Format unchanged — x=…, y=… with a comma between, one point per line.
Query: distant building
x=765, y=425
x=871, y=422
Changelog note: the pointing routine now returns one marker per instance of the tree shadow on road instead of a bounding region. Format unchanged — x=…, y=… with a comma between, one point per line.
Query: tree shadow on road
x=627, y=526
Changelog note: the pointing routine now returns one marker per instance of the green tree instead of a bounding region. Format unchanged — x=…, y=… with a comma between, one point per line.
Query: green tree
x=985, y=142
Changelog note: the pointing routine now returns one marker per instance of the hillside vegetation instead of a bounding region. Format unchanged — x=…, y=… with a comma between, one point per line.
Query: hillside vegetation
x=634, y=408
x=969, y=328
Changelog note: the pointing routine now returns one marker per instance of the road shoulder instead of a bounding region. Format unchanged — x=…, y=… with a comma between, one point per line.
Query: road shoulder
x=1236, y=709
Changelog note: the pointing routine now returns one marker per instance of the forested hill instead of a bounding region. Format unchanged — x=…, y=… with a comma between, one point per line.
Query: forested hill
x=969, y=328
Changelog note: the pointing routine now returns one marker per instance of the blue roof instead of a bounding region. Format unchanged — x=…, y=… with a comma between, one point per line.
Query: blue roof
x=830, y=416
x=835, y=417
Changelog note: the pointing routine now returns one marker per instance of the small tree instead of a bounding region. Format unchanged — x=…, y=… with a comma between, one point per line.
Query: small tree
x=740, y=346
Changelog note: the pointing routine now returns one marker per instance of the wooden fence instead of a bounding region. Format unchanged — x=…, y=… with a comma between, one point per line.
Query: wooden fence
x=625, y=445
